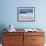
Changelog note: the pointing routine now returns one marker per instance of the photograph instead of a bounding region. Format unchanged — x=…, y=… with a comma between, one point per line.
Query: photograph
x=22, y=23
x=26, y=14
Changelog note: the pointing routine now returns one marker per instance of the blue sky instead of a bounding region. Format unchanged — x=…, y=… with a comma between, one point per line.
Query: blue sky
x=26, y=10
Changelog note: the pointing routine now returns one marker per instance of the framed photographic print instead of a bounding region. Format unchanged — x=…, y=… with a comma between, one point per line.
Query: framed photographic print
x=26, y=14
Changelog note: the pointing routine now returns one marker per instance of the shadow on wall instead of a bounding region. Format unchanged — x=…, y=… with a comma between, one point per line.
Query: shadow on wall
x=2, y=26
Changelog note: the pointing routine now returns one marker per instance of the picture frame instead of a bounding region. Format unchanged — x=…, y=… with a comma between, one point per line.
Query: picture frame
x=26, y=14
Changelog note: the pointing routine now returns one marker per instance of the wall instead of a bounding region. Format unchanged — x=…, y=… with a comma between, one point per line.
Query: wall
x=9, y=13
